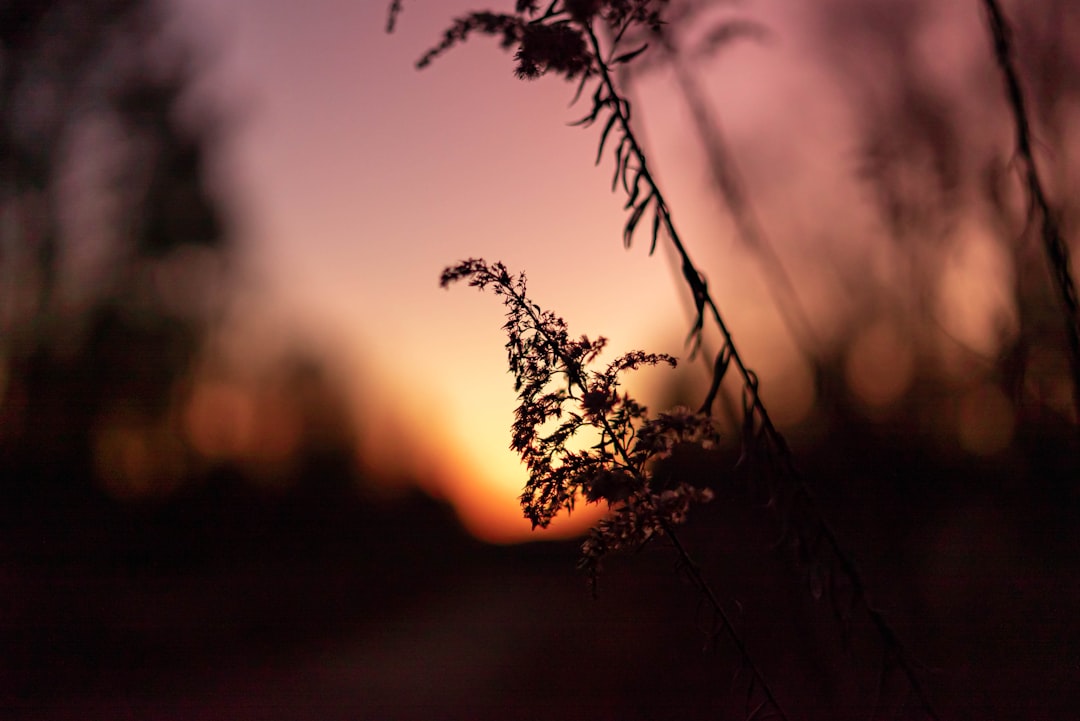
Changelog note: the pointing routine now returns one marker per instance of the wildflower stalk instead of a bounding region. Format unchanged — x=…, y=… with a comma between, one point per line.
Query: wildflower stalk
x=562, y=40
x=620, y=468
x=764, y=430
x=1057, y=251
x=732, y=191
x=694, y=278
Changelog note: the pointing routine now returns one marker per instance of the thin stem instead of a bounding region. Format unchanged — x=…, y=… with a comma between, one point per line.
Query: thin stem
x=754, y=403
x=733, y=191
x=1057, y=251
x=693, y=571
x=690, y=271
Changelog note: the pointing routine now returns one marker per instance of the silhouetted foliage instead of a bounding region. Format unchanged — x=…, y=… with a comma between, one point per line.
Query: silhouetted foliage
x=555, y=384
x=114, y=251
x=911, y=158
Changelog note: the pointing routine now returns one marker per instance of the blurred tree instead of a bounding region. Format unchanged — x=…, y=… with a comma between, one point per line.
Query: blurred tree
x=111, y=249
x=938, y=156
x=937, y=173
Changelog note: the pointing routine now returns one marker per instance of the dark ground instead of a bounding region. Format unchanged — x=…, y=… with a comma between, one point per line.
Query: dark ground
x=222, y=604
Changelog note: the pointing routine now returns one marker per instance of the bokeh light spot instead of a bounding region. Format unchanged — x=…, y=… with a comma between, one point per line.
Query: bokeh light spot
x=134, y=459
x=879, y=366
x=219, y=420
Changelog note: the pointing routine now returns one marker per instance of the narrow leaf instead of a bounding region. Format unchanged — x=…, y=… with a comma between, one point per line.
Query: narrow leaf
x=697, y=287
x=603, y=137
x=723, y=360
x=750, y=393
x=627, y=57
x=599, y=101
x=626, y=168
x=588, y=119
x=634, y=193
x=655, y=228
x=628, y=232
x=620, y=160
x=580, y=88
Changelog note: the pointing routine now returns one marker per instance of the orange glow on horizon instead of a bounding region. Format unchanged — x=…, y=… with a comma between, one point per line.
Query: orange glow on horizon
x=493, y=518
x=473, y=471
x=487, y=501
x=361, y=178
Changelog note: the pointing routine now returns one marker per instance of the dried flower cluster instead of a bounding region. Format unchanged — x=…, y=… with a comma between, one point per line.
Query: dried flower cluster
x=548, y=42
x=563, y=399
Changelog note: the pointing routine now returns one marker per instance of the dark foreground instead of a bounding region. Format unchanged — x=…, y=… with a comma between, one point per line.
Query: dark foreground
x=227, y=605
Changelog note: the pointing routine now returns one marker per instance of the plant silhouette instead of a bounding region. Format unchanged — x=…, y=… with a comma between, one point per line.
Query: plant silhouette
x=563, y=400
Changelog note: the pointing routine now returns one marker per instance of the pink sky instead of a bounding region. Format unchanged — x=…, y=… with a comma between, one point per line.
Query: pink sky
x=358, y=178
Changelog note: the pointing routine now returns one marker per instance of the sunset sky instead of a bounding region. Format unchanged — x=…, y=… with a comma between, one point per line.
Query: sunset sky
x=356, y=178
